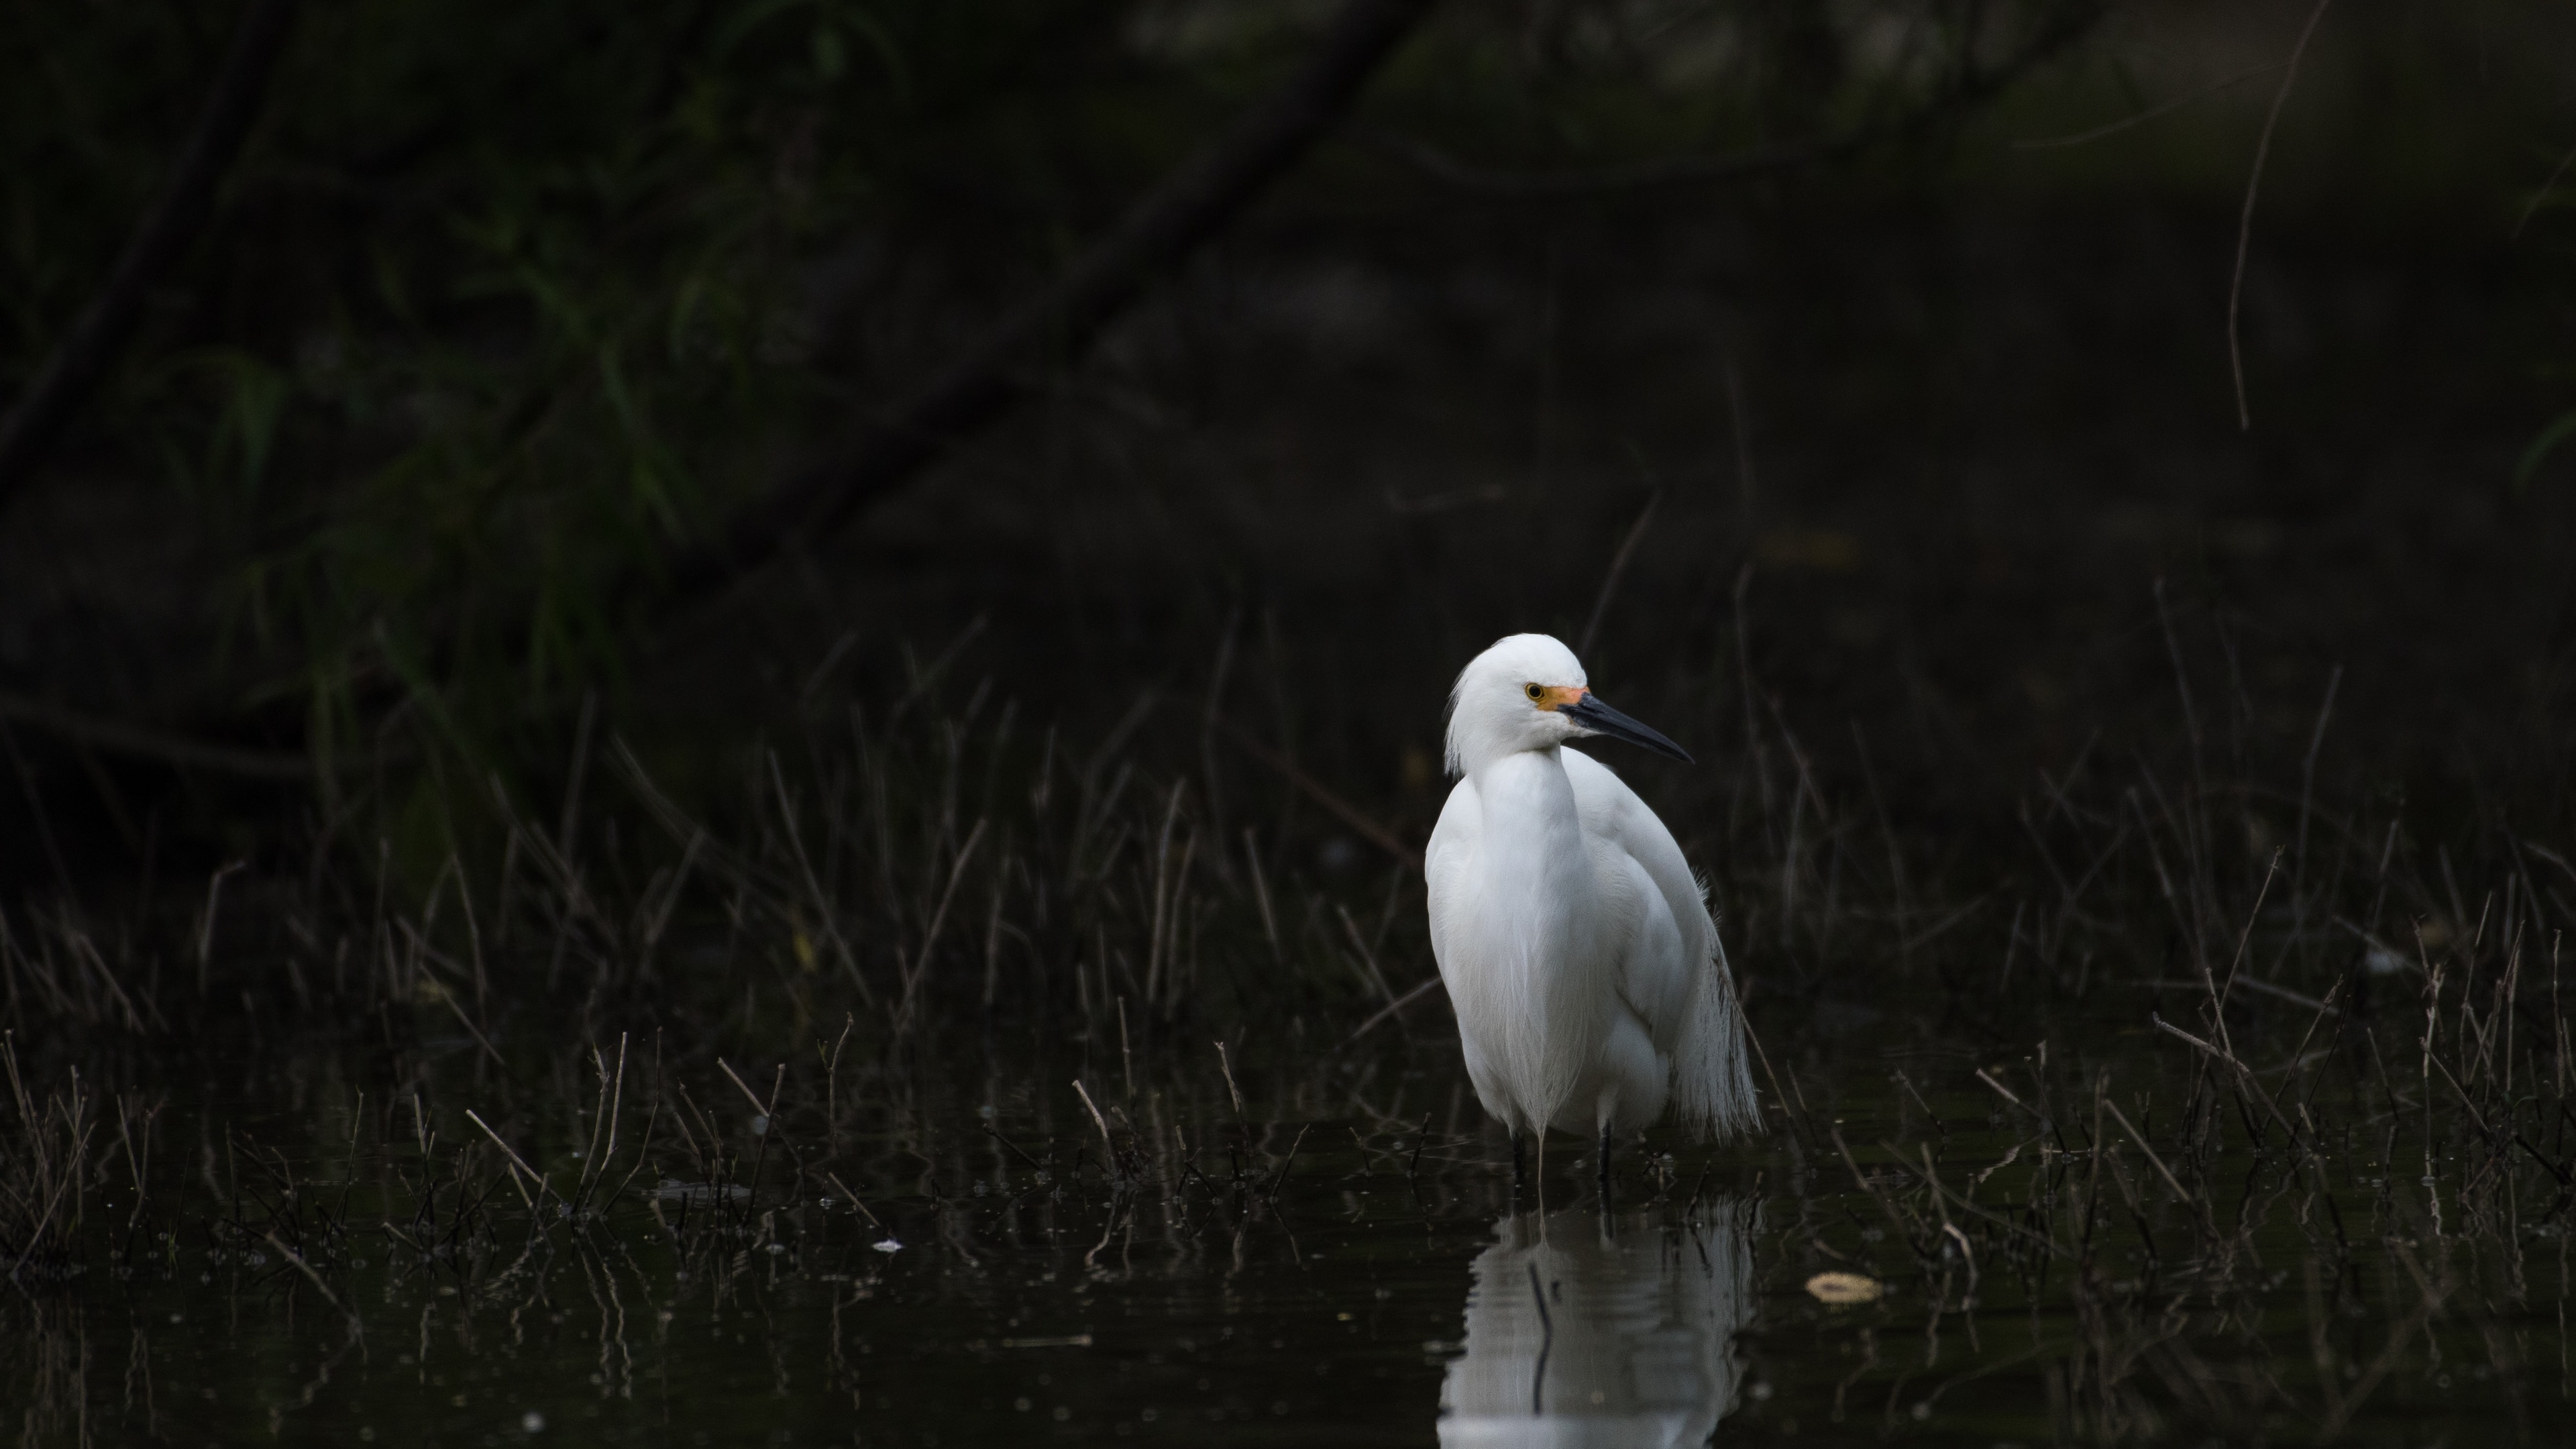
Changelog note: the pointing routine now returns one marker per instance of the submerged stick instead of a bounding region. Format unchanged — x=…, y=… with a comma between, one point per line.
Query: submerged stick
x=2140, y=1138
x=873, y=1220
x=319, y=1286
x=1231, y=1089
x=1108, y=1144
x=2244, y=1073
x=516, y=1161
x=1015, y=1149
x=1291, y=1160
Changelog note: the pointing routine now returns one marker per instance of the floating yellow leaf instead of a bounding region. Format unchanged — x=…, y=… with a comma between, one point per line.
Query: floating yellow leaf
x=1822, y=550
x=1845, y=1288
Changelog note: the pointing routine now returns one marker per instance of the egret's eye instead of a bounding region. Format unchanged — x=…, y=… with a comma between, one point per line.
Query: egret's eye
x=1536, y=694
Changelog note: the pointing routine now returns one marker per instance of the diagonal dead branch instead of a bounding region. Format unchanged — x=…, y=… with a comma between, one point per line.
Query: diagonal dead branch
x=1061, y=322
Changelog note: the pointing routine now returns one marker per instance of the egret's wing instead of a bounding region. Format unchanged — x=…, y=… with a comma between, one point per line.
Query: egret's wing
x=1444, y=867
x=1663, y=961
x=1674, y=977
x=1450, y=882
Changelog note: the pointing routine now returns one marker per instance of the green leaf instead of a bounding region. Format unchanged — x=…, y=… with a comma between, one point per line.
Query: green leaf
x=2541, y=447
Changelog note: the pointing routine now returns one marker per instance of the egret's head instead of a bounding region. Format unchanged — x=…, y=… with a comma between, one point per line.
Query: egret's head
x=1528, y=692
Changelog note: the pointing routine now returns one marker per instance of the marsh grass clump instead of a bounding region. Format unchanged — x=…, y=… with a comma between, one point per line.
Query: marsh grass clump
x=908, y=870
x=60, y=975
x=44, y=1177
x=2233, y=1063
x=2231, y=1105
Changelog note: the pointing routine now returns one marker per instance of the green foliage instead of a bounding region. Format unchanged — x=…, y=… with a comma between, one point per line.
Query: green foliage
x=510, y=297
x=2546, y=443
x=508, y=300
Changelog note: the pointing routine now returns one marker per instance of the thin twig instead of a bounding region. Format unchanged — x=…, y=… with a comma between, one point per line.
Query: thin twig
x=2245, y=222
x=1107, y=1144
x=1391, y=1008
x=2140, y=1138
x=1231, y=1089
x=2002, y=1090
x=2542, y=194
x=757, y=1106
x=2150, y=113
x=515, y=1159
x=1015, y=1149
x=1290, y=1161
x=319, y=1286
x=1618, y=566
x=2244, y=1073
x=835, y=1179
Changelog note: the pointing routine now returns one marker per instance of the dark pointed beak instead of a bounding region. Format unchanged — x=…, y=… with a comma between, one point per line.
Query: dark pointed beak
x=1601, y=719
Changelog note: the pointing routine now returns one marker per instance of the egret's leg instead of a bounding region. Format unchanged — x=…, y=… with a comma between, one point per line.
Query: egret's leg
x=1520, y=1162
x=1605, y=1167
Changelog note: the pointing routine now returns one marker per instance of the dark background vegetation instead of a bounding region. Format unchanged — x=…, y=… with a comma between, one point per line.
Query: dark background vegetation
x=1853, y=380
x=468, y=670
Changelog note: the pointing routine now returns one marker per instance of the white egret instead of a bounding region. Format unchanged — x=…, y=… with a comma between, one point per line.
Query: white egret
x=1590, y=988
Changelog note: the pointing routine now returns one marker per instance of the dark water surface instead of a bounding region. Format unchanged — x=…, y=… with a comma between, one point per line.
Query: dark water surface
x=1342, y=1264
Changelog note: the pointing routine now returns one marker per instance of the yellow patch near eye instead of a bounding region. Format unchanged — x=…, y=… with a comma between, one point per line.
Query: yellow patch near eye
x=1556, y=696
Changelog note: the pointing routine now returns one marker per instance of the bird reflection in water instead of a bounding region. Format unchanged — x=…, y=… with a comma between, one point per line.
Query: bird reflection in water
x=1602, y=1331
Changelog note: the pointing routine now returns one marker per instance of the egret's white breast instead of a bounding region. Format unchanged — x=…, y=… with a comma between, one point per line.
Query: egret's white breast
x=1529, y=931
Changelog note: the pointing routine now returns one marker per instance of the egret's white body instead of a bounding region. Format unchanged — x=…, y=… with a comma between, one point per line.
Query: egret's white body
x=1590, y=988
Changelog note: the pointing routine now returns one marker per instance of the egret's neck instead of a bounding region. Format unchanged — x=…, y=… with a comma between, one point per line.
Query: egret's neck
x=1498, y=766
x=1526, y=795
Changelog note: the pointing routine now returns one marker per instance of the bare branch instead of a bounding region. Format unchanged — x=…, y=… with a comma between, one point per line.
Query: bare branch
x=1188, y=207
